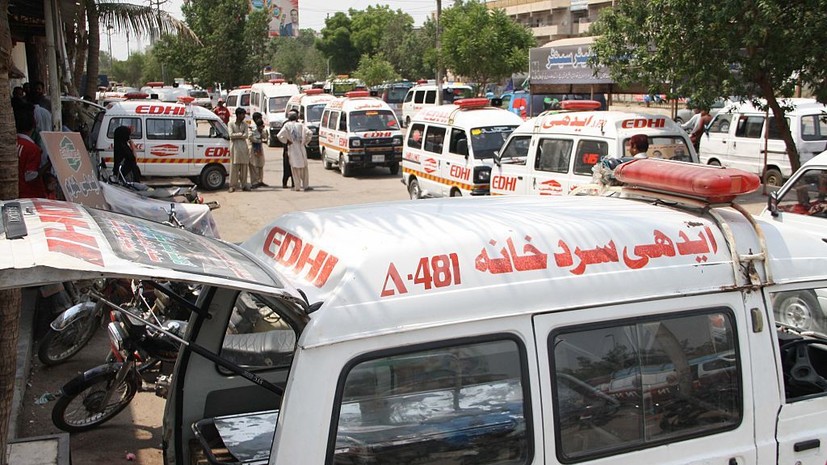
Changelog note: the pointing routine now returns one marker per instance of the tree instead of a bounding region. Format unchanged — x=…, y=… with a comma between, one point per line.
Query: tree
x=706, y=49
x=417, y=53
x=289, y=58
x=9, y=299
x=336, y=44
x=374, y=70
x=483, y=45
x=374, y=28
x=131, y=70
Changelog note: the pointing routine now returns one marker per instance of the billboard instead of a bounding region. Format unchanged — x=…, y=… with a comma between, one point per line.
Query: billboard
x=283, y=14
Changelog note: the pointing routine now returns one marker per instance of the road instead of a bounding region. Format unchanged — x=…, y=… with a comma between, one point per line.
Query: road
x=137, y=429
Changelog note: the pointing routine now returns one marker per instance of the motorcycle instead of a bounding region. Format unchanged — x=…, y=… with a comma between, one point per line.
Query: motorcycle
x=171, y=194
x=139, y=340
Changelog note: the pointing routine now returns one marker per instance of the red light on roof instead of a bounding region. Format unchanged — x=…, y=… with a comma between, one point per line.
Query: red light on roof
x=313, y=91
x=244, y=87
x=579, y=105
x=155, y=84
x=357, y=93
x=276, y=81
x=186, y=99
x=135, y=95
x=472, y=102
x=422, y=81
x=710, y=183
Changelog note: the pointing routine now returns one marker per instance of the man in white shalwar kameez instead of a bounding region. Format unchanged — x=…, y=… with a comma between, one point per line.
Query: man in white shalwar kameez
x=296, y=136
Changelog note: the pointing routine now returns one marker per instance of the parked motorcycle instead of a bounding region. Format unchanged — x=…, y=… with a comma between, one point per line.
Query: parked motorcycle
x=99, y=394
x=172, y=194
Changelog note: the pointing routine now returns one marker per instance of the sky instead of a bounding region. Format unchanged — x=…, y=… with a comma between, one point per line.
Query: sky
x=312, y=14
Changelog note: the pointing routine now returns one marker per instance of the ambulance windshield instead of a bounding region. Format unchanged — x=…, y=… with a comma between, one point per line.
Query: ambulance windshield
x=486, y=141
x=277, y=104
x=372, y=120
x=314, y=112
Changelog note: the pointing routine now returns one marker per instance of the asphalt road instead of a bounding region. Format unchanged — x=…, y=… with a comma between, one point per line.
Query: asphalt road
x=137, y=430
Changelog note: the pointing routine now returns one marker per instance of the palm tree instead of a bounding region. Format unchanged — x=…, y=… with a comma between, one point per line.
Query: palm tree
x=137, y=20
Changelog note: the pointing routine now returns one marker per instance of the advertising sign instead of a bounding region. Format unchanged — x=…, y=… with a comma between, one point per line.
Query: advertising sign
x=283, y=14
x=565, y=64
x=73, y=167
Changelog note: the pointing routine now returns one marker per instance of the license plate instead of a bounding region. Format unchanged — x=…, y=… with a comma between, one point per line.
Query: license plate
x=377, y=158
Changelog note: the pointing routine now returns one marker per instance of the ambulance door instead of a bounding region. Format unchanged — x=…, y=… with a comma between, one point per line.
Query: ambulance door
x=167, y=153
x=459, y=162
x=715, y=141
x=510, y=173
x=434, y=159
x=552, y=163
x=747, y=147
x=211, y=144
x=663, y=381
x=801, y=429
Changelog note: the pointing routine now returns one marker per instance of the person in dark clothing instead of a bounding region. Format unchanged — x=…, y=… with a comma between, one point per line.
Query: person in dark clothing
x=288, y=171
x=125, y=165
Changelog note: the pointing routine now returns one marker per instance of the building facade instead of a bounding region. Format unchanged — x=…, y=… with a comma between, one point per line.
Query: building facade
x=553, y=19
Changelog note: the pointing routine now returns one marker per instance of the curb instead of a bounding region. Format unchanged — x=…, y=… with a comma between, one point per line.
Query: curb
x=28, y=299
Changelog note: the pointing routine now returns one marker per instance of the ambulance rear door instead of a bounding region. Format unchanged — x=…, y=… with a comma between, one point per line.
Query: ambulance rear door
x=166, y=146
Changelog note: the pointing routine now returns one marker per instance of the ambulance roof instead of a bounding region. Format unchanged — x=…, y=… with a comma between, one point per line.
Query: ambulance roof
x=467, y=117
x=240, y=91
x=157, y=108
x=280, y=89
x=445, y=85
x=358, y=103
x=305, y=99
x=378, y=267
x=614, y=124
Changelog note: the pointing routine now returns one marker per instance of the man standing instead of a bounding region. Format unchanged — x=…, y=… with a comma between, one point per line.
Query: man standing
x=30, y=173
x=239, y=152
x=222, y=111
x=296, y=136
x=700, y=126
x=257, y=152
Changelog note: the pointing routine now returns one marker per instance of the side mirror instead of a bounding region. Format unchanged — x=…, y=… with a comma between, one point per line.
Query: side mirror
x=772, y=204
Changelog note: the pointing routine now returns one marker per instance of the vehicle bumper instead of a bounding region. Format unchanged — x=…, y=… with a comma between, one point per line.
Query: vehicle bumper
x=375, y=158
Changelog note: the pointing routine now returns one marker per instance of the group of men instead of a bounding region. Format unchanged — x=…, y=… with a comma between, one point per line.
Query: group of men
x=32, y=115
x=247, y=154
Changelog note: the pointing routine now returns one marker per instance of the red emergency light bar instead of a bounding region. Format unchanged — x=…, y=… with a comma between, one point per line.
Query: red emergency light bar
x=244, y=87
x=155, y=84
x=422, y=81
x=357, y=93
x=135, y=95
x=186, y=99
x=710, y=183
x=472, y=102
x=579, y=105
x=313, y=91
x=276, y=81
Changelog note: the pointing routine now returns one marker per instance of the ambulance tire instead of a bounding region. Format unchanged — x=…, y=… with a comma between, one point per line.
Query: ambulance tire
x=394, y=168
x=456, y=193
x=413, y=189
x=344, y=168
x=800, y=309
x=774, y=177
x=213, y=177
x=328, y=165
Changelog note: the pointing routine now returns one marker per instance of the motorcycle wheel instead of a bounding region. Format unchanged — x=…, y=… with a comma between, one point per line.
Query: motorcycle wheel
x=83, y=411
x=57, y=347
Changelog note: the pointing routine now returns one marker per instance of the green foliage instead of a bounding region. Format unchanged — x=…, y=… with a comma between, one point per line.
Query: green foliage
x=481, y=44
x=256, y=42
x=130, y=71
x=374, y=70
x=710, y=48
x=336, y=44
x=376, y=26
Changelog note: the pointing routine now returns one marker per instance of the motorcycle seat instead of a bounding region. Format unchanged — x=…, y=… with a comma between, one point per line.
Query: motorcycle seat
x=270, y=348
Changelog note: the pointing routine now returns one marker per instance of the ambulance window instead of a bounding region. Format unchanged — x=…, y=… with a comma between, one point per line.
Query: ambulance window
x=807, y=196
x=434, y=139
x=166, y=129
x=720, y=124
x=325, y=118
x=642, y=383
x=488, y=140
x=668, y=147
x=314, y=112
x=449, y=405
x=419, y=97
x=749, y=126
x=245, y=100
x=232, y=100
x=257, y=336
x=343, y=122
x=516, y=151
x=409, y=96
x=430, y=96
x=415, y=136
x=589, y=152
x=814, y=127
x=773, y=131
x=459, y=142
x=553, y=155
x=254, y=98
x=134, y=124
x=333, y=123
x=210, y=128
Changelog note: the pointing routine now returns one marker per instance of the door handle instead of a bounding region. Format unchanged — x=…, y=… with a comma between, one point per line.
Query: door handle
x=807, y=445
x=520, y=178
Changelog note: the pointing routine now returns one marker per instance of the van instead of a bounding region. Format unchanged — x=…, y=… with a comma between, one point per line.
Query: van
x=517, y=330
x=240, y=98
x=527, y=105
x=424, y=95
x=736, y=138
x=310, y=105
x=554, y=153
x=393, y=93
x=360, y=131
x=270, y=99
x=802, y=200
x=449, y=150
x=171, y=140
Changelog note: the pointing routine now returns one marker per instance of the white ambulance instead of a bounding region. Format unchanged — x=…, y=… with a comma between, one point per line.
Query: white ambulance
x=240, y=98
x=270, y=99
x=520, y=331
x=554, y=153
x=449, y=150
x=423, y=95
x=171, y=140
x=310, y=104
x=360, y=131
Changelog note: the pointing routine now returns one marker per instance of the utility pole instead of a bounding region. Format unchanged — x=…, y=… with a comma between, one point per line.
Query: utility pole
x=154, y=37
x=438, y=53
x=127, y=45
x=109, y=30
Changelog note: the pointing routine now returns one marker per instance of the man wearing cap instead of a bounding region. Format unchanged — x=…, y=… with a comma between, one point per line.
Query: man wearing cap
x=239, y=152
x=296, y=136
x=222, y=112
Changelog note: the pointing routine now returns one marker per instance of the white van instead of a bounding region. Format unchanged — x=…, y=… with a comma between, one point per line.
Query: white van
x=802, y=199
x=521, y=330
x=423, y=95
x=736, y=138
x=554, y=153
x=240, y=98
x=449, y=150
x=360, y=131
x=310, y=104
x=171, y=140
x=270, y=99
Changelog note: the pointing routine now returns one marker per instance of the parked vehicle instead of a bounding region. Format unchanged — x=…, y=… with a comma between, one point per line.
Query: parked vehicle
x=270, y=99
x=739, y=133
x=310, y=104
x=423, y=95
x=393, y=93
x=526, y=105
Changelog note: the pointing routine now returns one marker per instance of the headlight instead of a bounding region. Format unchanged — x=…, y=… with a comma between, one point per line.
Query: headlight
x=397, y=141
x=355, y=142
x=482, y=174
x=116, y=336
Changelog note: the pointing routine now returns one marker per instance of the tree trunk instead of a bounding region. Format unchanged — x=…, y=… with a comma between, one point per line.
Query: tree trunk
x=9, y=299
x=781, y=121
x=92, y=57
